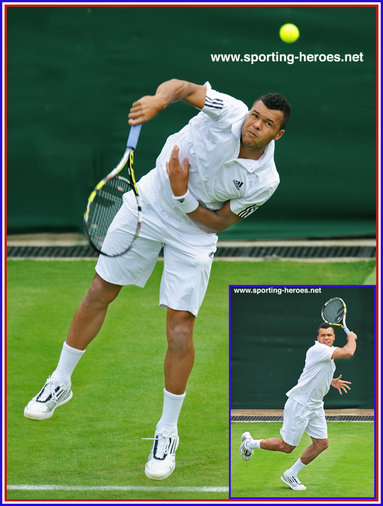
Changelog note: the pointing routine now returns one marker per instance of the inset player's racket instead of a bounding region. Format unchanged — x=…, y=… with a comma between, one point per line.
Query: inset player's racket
x=334, y=312
x=106, y=199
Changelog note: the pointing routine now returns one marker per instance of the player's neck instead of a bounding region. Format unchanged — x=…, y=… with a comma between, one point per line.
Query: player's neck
x=251, y=153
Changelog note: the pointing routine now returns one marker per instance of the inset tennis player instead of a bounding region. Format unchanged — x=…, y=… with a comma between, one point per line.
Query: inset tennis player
x=303, y=411
x=211, y=174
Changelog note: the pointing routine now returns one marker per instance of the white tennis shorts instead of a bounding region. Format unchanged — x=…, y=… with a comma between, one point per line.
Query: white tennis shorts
x=187, y=256
x=298, y=419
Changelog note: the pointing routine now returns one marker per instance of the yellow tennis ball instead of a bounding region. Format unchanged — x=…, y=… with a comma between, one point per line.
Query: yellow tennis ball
x=289, y=33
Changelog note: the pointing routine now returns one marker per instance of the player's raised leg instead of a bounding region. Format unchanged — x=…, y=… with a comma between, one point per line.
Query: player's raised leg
x=248, y=445
x=290, y=477
x=86, y=323
x=178, y=365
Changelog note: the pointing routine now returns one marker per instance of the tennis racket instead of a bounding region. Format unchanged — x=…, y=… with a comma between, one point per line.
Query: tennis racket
x=334, y=312
x=106, y=199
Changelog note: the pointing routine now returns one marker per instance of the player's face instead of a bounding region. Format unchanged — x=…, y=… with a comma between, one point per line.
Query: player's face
x=261, y=126
x=326, y=336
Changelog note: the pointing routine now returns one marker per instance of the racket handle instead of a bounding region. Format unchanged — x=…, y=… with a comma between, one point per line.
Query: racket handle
x=133, y=136
x=347, y=330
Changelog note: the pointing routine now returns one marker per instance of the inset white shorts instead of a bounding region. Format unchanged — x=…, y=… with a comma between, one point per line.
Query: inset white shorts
x=298, y=419
x=187, y=258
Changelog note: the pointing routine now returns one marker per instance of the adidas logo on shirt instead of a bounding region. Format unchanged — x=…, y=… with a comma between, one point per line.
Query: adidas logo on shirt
x=237, y=183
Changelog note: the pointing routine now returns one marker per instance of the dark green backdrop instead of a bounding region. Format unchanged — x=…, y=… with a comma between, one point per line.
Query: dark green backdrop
x=72, y=73
x=270, y=334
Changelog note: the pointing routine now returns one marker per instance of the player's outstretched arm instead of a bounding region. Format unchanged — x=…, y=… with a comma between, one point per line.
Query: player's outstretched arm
x=348, y=350
x=341, y=385
x=168, y=92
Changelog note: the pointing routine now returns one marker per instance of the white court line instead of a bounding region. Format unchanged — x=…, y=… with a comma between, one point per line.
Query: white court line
x=118, y=488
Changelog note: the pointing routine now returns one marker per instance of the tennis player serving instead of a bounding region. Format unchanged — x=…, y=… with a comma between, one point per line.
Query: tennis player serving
x=214, y=172
x=303, y=411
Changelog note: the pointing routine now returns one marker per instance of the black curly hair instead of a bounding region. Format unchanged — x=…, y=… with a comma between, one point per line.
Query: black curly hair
x=279, y=102
x=325, y=326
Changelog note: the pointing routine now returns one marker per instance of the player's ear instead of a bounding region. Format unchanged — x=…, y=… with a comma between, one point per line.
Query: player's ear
x=279, y=135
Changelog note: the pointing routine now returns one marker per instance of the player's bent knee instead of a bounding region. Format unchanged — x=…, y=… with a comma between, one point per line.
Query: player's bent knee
x=179, y=321
x=180, y=331
x=180, y=343
x=324, y=445
x=320, y=444
x=102, y=292
x=286, y=448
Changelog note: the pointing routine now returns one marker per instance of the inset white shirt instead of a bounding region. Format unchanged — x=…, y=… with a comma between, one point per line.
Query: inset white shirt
x=315, y=380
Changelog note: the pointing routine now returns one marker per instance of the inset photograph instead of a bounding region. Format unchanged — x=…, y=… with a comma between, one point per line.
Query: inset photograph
x=303, y=392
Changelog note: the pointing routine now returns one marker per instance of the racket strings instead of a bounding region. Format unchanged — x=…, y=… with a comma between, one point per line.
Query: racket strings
x=105, y=206
x=333, y=312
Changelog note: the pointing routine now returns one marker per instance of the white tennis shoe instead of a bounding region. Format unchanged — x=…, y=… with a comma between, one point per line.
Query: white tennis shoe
x=51, y=396
x=292, y=481
x=243, y=449
x=162, y=458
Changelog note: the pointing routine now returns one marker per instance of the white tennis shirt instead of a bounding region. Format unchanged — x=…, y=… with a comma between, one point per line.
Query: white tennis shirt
x=211, y=143
x=315, y=380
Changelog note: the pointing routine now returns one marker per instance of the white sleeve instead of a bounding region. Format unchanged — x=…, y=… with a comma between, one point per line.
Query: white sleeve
x=223, y=108
x=246, y=205
x=322, y=353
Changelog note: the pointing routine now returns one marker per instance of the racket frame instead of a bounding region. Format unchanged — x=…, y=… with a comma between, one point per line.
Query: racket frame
x=126, y=160
x=341, y=325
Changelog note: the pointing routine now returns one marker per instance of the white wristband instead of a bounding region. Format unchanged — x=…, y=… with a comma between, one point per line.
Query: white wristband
x=186, y=203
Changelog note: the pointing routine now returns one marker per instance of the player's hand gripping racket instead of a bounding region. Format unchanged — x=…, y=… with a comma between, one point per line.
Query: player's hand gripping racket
x=106, y=199
x=334, y=312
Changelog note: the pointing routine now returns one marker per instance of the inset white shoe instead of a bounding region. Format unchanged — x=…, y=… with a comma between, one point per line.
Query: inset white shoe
x=293, y=482
x=162, y=458
x=243, y=450
x=50, y=397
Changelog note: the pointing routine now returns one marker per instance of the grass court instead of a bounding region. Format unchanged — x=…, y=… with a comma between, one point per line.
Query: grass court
x=345, y=469
x=95, y=439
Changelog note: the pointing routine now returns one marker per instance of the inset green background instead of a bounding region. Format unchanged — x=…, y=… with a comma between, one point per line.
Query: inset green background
x=270, y=333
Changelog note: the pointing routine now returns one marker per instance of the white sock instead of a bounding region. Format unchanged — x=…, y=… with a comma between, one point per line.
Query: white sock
x=294, y=470
x=170, y=411
x=69, y=358
x=254, y=443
